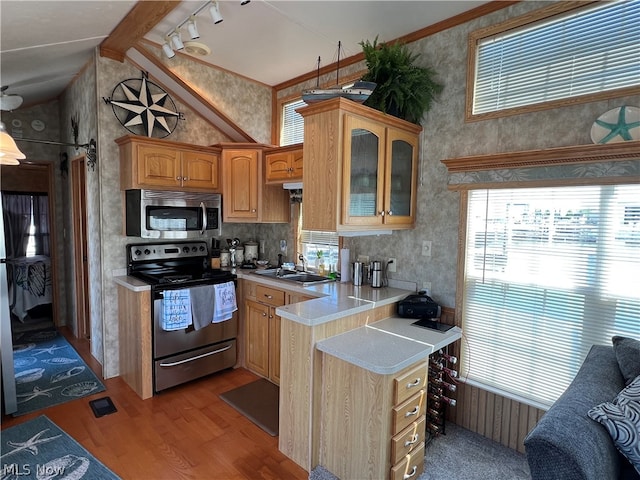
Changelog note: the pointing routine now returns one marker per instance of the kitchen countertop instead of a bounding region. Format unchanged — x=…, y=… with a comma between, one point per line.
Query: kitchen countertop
x=388, y=346
x=335, y=299
x=132, y=283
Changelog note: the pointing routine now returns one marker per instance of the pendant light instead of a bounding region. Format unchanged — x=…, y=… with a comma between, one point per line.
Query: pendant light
x=9, y=151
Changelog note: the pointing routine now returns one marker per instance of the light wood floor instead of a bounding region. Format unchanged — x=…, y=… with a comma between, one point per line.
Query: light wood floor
x=184, y=433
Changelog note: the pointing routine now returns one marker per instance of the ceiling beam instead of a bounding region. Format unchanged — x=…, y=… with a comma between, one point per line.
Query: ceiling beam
x=139, y=21
x=147, y=61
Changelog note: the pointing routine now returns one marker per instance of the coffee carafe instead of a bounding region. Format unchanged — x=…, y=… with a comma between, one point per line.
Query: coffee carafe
x=377, y=274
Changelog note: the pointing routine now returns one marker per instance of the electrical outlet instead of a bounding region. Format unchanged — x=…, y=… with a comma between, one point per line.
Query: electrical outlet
x=363, y=258
x=427, y=286
x=391, y=265
x=426, y=248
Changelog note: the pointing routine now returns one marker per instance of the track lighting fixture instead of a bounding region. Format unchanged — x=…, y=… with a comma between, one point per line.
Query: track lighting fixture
x=173, y=41
x=192, y=29
x=214, y=11
x=168, y=51
x=176, y=41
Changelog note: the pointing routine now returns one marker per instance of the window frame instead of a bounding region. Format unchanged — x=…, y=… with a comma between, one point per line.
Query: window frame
x=542, y=14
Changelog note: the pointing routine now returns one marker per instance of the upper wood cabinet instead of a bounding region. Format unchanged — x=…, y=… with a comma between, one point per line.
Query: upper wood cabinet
x=360, y=168
x=164, y=165
x=283, y=164
x=245, y=196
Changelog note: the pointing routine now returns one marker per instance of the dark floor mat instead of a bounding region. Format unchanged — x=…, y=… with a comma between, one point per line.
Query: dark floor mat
x=258, y=401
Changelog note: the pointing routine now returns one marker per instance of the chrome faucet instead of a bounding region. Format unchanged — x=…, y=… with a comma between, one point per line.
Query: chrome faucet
x=304, y=262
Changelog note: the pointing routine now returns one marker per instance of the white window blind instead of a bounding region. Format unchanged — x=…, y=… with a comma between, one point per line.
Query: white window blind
x=292, y=130
x=549, y=272
x=594, y=50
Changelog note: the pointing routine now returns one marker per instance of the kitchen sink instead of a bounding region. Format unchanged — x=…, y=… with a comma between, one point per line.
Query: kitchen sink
x=301, y=278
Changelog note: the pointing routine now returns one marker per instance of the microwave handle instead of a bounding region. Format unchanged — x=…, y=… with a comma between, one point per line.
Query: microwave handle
x=203, y=207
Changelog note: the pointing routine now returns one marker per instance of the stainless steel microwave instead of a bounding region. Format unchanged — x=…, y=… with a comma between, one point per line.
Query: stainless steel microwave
x=172, y=215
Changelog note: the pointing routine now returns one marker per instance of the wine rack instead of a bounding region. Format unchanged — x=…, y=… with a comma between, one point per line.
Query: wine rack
x=441, y=390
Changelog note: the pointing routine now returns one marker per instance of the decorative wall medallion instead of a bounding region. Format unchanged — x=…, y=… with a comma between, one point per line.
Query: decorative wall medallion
x=144, y=108
x=617, y=125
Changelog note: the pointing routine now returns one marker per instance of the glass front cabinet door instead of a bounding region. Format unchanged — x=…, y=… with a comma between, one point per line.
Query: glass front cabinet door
x=379, y=172
x=400, y=178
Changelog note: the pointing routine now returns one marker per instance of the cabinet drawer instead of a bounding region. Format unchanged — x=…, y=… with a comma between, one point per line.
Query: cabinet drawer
x=408, y=412
x=409, y=383
x=270, y=296
x=407, y=440
x=411, y=465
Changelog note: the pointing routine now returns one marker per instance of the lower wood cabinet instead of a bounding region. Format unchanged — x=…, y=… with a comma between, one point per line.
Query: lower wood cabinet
x=262, y=331
x=379, y=419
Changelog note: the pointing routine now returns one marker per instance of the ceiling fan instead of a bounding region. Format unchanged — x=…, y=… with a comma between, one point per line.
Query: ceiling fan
x=9, y=102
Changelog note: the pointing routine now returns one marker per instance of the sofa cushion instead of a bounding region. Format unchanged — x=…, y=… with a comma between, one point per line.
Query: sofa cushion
x=627, y=352
x=621, y=418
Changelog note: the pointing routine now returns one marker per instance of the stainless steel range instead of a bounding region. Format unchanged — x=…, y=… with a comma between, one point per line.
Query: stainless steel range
x=188, y=353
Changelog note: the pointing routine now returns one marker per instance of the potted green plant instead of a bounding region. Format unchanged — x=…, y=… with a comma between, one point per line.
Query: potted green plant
x=403, y=89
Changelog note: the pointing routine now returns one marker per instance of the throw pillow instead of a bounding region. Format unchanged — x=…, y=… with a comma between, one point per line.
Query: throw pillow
x=627, y=352
x=621, y=418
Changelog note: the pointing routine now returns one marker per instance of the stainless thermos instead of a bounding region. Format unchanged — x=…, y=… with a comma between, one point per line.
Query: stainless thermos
x=377, y=279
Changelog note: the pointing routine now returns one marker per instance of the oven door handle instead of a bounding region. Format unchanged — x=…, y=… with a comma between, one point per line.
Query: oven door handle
x=198, y=357
x=203, y=207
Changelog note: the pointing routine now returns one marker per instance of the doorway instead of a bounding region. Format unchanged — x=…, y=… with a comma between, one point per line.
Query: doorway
x=27, y=206
x=80, y=251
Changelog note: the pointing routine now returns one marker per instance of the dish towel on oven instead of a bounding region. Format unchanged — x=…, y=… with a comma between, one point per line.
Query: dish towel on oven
x=202, y=301
x=225, y=302
x=176, y=309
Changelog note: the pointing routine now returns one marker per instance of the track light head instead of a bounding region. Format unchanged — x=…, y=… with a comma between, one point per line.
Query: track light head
x=192, y=28
x=168, y=51
x=176, y=41
x=214, y=11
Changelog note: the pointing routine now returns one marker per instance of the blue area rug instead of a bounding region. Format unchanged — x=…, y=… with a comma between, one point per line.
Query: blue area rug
x=39, y=449
x=49, y=372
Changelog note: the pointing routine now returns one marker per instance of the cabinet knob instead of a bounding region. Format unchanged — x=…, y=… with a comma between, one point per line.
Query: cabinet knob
x=185, y=178
x=268, y=296
x=389, y=212
x=264, y=314
x=381, y=213
x=253, y=210
x=178, y=178
x=270, y=316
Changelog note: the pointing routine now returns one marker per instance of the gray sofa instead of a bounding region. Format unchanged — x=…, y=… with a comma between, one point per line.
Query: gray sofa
x=568, y=445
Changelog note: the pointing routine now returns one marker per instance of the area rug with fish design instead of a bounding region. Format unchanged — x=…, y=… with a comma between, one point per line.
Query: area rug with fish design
x=49, y=372
x=39, y=449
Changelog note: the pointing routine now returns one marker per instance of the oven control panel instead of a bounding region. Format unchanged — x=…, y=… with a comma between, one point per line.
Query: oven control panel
x=166, y=251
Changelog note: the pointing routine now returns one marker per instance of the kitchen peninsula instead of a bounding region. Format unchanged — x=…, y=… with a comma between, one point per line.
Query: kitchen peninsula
x=349, y=343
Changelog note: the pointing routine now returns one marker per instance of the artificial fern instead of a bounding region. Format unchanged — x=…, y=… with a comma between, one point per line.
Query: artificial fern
x=403, y=89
